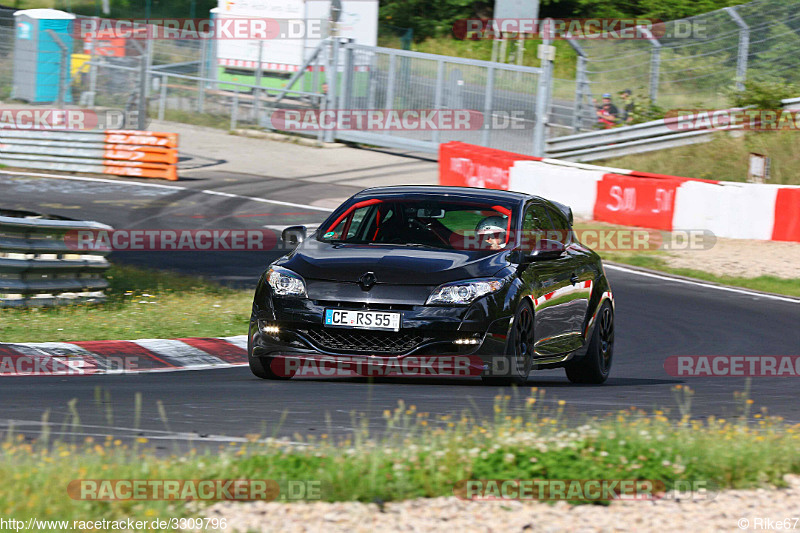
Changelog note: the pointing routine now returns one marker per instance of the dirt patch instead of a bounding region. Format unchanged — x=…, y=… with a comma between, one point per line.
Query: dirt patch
x=742, y=258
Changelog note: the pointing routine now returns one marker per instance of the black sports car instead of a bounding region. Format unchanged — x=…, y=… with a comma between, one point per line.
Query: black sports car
x=495, y=280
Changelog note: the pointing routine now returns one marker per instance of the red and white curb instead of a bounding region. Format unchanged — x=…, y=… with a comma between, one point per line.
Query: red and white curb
x=121, y=357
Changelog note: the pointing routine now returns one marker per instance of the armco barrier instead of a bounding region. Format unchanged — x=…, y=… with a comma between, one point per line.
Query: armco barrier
x=141, y=154
x=728, y=209
x=468, y=165
x=37, y=268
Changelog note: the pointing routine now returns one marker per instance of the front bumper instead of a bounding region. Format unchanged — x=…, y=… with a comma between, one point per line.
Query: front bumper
x=426, y=332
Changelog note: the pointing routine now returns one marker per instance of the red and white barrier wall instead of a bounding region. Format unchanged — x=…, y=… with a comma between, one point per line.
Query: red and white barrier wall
x=629, y=197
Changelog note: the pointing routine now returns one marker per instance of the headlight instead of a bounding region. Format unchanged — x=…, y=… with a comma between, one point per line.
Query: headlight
x=284, y=282
x=464, y=292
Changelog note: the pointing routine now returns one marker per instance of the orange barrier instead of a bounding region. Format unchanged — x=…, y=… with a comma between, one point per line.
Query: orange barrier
x=143, y=154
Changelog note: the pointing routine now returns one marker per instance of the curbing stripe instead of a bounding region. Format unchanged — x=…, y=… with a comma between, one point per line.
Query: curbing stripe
x=121, y=357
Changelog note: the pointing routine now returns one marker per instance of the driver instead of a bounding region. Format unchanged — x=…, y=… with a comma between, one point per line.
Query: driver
x=492, y=231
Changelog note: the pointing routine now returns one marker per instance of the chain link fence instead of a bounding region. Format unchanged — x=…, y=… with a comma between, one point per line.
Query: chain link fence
x=695, y=62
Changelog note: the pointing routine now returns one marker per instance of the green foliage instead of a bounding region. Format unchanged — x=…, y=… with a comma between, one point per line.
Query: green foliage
x=654, y=9
x=430, y=18
x=764, y=94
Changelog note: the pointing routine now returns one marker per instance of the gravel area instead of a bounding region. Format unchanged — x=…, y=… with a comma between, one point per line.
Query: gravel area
x=722, y=513
x=742, y=258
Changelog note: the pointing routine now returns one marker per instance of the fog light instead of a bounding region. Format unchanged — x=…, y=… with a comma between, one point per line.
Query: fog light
x=270, y=330
x=469, y=340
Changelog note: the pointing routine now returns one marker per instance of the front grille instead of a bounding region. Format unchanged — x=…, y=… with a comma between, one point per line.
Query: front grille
x=364, y=305
x=360, y=341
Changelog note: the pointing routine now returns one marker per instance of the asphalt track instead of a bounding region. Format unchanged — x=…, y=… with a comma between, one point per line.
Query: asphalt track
x=656, y=318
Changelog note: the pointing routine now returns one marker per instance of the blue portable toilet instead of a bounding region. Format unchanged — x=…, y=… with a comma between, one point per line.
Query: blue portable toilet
x=38, y=57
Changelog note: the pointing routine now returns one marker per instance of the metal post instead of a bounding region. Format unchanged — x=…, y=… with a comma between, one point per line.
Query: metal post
x=62, y=68
x=331, y=76
x=487, y=108
x=93, y=66
x=580, y=84
x=201, y=82
x=543, y=90
x=580, y=95
x=346, y=89
x=438, y=94
x=257, y=90
x=744, y=47
x=373, y=81
x=655, y=63
x=391, y=80
x=162, y=99
x=235, y=108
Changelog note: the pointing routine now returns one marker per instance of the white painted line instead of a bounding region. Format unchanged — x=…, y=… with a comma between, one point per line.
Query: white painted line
x=706, y=285
x=171, y=187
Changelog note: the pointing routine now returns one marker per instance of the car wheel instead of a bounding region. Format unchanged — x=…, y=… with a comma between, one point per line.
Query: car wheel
x=595, y=366
x=519, y=349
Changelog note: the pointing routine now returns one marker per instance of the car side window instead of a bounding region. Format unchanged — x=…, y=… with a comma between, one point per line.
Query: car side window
x=561, y=225
x=535, y=225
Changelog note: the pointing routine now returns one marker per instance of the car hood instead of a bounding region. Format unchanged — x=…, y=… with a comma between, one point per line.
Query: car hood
x=397, y=265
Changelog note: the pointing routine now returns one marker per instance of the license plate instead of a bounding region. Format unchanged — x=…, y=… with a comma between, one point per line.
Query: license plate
x=341, y=318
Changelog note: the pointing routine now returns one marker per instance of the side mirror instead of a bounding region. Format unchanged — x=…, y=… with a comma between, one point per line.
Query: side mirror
x=294, y=235
x=547, y=249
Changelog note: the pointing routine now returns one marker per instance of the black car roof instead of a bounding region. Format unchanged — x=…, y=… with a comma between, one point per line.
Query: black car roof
x=472, y=192
x=467, y=192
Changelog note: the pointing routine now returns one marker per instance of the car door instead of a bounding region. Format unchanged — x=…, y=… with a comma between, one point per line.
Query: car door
x=581, y=276
x=551, y=287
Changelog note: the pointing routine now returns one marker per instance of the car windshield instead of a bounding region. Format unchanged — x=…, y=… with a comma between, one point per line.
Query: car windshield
x=449, y=224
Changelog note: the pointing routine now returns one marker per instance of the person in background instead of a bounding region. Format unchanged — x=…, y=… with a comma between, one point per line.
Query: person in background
x=626, y=117
x=607, y=113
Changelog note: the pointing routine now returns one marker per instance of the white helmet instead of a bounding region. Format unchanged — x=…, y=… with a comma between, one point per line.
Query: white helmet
x=493, y=224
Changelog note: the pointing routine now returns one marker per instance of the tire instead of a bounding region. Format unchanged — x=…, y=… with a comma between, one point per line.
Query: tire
x=594, y=367
x=519, y=349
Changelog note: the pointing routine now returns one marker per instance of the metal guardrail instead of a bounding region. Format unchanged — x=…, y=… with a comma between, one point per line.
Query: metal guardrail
x=627, y=140
x=636, y=139
x=140, y=154
x=39, y=268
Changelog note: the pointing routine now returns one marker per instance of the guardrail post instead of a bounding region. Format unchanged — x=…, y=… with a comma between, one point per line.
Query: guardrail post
x=437, y=98
x=162, y=99
x=744, y=47
x=62, y=68
x=488, y=96
x=543, y=89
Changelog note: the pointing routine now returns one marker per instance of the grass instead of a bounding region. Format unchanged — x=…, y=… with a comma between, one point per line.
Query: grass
x=419, y=455
x=723, y=158
x=141, y=304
